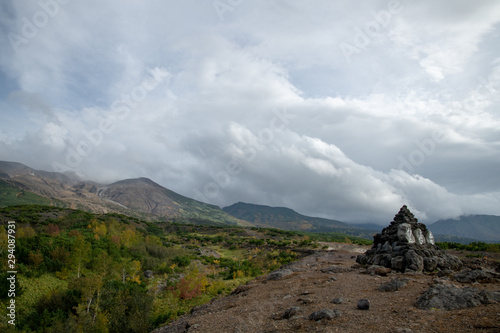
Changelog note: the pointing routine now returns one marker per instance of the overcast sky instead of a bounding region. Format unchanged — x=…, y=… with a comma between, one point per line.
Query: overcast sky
x=340, y=109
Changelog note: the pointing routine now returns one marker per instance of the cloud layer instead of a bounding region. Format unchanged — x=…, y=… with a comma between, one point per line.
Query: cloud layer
x=342, y=110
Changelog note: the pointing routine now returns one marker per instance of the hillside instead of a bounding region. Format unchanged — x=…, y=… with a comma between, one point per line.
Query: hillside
x=288, y=219
x=320, y=293
x=11, y=195
x=84, y=272
x=141, y=198
x=480, y=227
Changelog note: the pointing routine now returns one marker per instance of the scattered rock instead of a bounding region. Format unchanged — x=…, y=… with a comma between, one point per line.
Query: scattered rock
x=481, y=263
x=402, y=330
x=291, y=312
x=445, y=272
x=287, y=314
x=332, y=278
x=305, y=301
x=450, y=297
x=394, y=285
x=324, y=314
x=179, y=326
x=338, y=300
x=335, y=269
x=241, y=290
x=377, y=270
x=407, y=246
x=364, y=304
x=279, y=274
x=200, y=309
x=477, y=275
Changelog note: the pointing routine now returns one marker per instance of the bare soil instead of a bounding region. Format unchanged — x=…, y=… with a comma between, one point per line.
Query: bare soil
x=259, y=305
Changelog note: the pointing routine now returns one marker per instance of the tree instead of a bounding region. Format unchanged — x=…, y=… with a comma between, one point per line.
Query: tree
x=80, y=254
x=129, y=270
x=91, y=288
x=129, y=237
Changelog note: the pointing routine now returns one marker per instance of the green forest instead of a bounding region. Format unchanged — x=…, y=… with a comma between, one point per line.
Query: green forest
x=84, y=272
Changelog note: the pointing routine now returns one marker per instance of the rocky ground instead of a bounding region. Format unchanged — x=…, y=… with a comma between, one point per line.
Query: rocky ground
x=292, y=299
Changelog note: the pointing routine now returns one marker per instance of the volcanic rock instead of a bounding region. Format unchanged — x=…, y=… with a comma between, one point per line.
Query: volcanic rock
x=363, y=304
x=450, y=297
x=407, y=245
x=324, y=314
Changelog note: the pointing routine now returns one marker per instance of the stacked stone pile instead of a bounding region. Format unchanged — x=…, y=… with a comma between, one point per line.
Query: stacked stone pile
x=407, y=245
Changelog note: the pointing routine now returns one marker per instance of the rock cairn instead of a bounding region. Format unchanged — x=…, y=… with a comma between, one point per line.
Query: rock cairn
x=407, y=245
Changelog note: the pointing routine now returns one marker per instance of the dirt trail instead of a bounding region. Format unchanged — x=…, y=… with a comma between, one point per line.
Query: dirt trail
x=313, y=282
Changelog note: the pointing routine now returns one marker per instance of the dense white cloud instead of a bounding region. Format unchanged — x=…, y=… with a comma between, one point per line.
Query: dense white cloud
x=346, y=110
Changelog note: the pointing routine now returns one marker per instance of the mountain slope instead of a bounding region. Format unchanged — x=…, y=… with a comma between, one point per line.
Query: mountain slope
x=480, y=227
x=144, y=195
x=140, y=197
x=11, y=195
x=288, y=219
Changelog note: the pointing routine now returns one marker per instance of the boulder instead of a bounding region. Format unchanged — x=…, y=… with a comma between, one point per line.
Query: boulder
x=430, y=264
x=279, y=274
x=324, y=314
x=450, y=297
x=363, y=304
x=289, y=313
x=413, y=261
x=405, y=234
x=338, y=300
x=393, y=285
x=477, y=275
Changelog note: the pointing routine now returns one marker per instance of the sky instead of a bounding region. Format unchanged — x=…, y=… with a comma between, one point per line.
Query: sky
x=339, y=109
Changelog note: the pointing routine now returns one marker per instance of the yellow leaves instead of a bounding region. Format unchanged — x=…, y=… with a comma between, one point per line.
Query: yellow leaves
x=25, y=232
x=99, y=229
x=129, y=237
x=130, y=270
x=136, y=279
x=238, y=274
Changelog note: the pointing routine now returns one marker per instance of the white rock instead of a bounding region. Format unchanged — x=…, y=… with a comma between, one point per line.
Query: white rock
x=419, y=236
x=405, y=233
x=429, y=237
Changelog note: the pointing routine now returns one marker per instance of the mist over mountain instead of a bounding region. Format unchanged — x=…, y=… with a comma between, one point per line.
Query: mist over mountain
x=145, y=199
x=479, y=227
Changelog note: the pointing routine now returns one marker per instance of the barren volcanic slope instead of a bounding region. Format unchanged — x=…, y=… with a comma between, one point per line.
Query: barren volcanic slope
x=135, y=197
x=285, y=300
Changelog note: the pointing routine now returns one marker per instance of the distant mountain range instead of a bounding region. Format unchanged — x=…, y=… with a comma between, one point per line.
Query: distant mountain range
x=286, y=218
x=480, y=227
x=145, y=199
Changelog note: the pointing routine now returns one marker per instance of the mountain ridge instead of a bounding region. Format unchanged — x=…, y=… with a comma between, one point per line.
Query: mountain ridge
x=288, y=219
x=138, y=197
